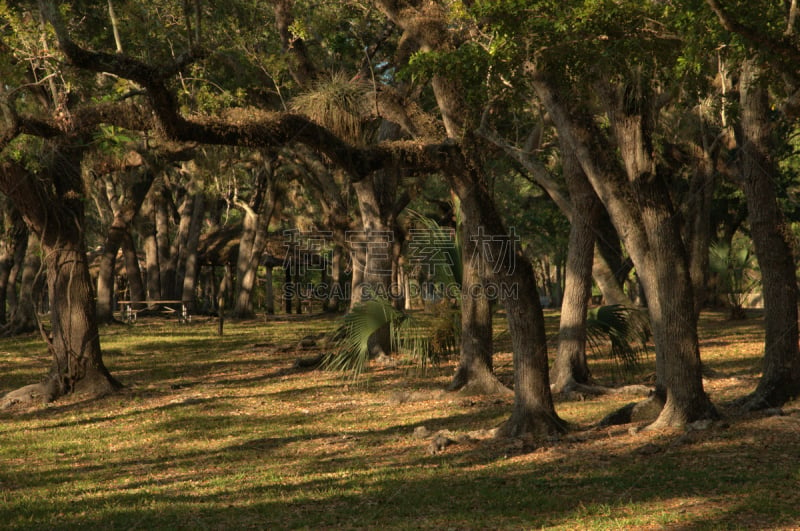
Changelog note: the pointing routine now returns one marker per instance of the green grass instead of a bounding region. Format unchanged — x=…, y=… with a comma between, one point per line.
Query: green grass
x=222, y=433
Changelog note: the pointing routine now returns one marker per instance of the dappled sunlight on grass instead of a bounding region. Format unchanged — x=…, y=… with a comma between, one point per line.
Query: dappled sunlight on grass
x=225, y=432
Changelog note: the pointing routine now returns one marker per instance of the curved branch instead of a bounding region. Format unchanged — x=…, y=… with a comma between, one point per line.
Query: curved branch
x=783, y=48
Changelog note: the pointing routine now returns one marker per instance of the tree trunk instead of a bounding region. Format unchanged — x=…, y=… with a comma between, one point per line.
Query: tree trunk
x=151, y=254
x=126, y=200
x=533, y=411
x=107, y=271
x=15, y=237
x=269, y=294
x=58, y=218
x=253, y=243
x=780, y=380
x=475, y=373
x=637, y=201
x=190, y=268
x=570, y=365
x=166, y=259
x=77, y=362
x=610, y=269
x=132, y=269
x=23, y=317
x=334, y=298
x=377, y=248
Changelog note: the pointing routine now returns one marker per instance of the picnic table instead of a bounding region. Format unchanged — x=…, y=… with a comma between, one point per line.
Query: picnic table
x=130, y=312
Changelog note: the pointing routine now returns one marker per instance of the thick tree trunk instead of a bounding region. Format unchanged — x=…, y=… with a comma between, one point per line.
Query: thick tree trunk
x=73, y=340
x=780, y=380
x=533, y=412
x=570, y=366
x=77, y=362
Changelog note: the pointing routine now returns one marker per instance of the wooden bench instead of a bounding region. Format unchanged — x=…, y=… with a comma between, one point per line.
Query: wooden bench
x=130, y=313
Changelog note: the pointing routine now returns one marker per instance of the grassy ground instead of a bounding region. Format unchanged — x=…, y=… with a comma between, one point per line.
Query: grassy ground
x=223, y=433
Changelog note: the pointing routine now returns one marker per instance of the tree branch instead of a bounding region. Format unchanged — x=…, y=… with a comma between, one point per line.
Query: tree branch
x=783, y=49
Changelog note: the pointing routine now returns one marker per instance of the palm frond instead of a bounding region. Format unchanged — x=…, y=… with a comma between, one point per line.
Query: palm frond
x=628, y=330
x=449, y=267
x=425, y=338
x=351, y=353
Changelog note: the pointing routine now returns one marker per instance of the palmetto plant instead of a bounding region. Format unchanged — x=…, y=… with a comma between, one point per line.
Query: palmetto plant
x=628, y=330
x=734, y=266
x=424, y=338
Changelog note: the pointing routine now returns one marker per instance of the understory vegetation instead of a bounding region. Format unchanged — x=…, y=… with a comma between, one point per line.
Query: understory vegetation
x=229, y=433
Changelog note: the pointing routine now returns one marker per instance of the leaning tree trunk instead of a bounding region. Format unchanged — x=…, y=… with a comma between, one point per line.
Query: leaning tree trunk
x=780, y=381
x=570, y=366
x=252, y=244
x=126, y=198
x=637, y=200
x=609, y=268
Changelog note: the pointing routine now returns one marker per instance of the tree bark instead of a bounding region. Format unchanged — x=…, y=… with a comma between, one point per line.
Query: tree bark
x=52, y=206
x=166, y=260
x=253, y=243
x=147, y=231
x=378, y=236
x=780, y=380
x=638, y=202
x=133, y=270
x=190, y=269
x=570, y=366
x=77, y=362
x=15, y=236
x=23, y=318
x=475, y=373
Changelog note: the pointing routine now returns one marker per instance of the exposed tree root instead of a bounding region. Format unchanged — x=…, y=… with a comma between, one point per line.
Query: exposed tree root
x=27, y=396
x=540, y=424
x=478, y=384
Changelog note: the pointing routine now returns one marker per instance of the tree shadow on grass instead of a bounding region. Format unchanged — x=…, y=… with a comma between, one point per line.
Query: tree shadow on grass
x=716, y=480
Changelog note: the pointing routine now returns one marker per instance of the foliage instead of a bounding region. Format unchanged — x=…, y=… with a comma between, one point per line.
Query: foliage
x=734, y=266
x=338, y=103
x=442, y=246
x=423, y=340
x=628, y=330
